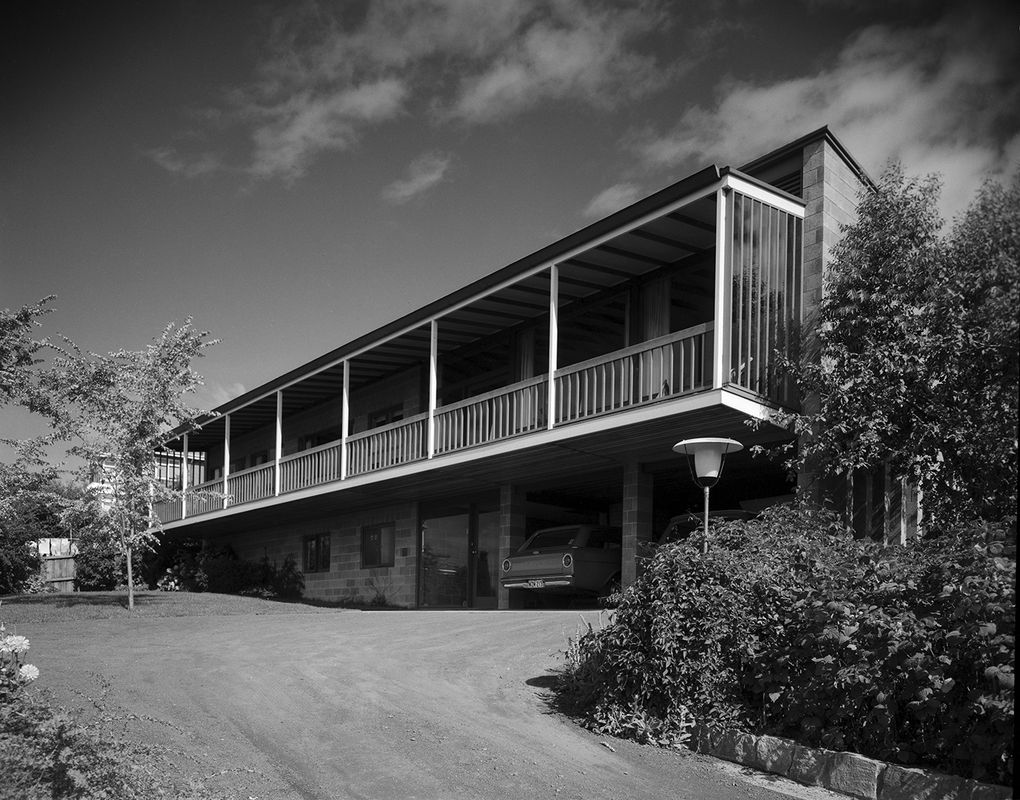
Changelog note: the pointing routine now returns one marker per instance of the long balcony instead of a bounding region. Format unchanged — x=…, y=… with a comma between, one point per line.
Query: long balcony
x=724, y=258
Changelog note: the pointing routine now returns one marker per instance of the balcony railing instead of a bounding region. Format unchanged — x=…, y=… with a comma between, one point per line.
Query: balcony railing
x=167, y=510
x=208, y=497
x=310, y=467
x=669, y=366
x=500, y=414
x=388, y=446
x=254, y=483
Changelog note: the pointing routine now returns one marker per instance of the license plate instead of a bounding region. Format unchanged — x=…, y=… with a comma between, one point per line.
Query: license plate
x=536, y=584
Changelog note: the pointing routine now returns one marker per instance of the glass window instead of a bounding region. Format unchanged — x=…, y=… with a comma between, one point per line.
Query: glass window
x=557, y=537
x=377, y=545
x=316, y=552
x=385, y=416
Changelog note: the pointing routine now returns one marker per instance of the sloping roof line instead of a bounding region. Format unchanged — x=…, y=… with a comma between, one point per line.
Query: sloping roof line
x=798, y=144
x=550, y=253
x=675, y=191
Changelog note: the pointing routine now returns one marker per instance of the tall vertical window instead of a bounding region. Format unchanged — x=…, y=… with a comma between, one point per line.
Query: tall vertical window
x=377, y=545
x=316, y=551
x=766, y=269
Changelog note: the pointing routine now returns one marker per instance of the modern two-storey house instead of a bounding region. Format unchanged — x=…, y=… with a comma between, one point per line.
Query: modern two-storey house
x=411, y=462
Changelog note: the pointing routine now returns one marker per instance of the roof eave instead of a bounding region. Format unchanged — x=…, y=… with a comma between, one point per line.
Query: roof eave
x=799, y=144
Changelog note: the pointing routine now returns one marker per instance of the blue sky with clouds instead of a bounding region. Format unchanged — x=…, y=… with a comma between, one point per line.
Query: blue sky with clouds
x=293, y=175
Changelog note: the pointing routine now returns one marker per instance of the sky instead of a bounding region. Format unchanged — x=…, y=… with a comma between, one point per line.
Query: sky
x=294, y=175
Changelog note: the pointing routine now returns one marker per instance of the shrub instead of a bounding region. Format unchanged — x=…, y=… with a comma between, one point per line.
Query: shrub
x=199, y=568
x=287, y=580
x=19, y=559
x=791, y=627
x=98, y=567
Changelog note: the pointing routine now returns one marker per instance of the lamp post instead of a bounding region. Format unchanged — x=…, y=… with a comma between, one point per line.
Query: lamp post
x=705, y=457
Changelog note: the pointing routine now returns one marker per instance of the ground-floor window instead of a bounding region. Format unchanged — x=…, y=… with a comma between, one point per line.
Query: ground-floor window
x=377, y=545
x=316, y=549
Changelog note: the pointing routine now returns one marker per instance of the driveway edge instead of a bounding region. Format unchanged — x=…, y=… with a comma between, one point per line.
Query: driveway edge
x=847, y=773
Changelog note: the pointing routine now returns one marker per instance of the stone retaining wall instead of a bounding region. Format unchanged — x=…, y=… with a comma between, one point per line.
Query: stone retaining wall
x=848, y=773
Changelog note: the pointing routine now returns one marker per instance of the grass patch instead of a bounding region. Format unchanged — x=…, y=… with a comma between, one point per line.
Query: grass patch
x=48, y=608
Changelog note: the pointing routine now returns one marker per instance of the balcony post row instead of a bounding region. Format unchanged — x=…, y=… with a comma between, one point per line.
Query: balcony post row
x=720, y=355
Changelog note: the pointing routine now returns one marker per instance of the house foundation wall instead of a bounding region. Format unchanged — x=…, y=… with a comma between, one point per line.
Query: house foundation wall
x=346, y=580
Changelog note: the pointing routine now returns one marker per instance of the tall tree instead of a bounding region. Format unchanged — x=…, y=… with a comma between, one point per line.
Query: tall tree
x=919, y=349
x=115, y=410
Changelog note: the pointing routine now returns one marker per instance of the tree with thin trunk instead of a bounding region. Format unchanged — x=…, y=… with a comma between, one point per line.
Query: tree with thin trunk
x=116, y=410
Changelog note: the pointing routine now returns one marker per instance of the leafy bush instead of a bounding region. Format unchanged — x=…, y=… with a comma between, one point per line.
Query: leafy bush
x=19, y=561
x=198, y=568
x=98, y=567
x=31, y=506
x=790, y=626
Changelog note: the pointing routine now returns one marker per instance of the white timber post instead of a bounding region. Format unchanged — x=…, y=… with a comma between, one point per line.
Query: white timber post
x=279, y=443
x=433, y=385
x=226, y=460
x=723, y=290
x=345, y=418
x=184, y=478
x=554, y=342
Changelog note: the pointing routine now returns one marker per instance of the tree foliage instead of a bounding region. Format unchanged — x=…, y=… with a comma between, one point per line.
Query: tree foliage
x=115, y=410
x=35, y=509
x=919, y=349
x=17, y=347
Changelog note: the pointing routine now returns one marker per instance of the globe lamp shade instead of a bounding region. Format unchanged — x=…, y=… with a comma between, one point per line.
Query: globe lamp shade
x=708, y=455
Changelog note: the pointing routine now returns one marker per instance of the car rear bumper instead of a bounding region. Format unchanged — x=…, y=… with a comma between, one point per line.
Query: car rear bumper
x=551, y=582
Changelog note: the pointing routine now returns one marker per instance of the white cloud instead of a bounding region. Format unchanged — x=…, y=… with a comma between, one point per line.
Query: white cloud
x=941, y=98
x=423, y=174
x=292, y=132
x=219, y=393
x=329, y=74
x=582, y=52
x=613, y=199
x=188, y=166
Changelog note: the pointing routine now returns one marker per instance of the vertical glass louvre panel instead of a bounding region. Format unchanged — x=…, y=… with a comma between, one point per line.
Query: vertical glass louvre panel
x=765, y=265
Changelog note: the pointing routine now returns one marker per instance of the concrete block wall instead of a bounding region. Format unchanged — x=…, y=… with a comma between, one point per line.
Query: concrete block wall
x=513, y=520
x=345, y=580
x=637, y=518
x=830, y=188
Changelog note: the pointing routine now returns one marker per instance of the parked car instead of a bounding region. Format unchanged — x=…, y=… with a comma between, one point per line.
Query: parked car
x=582, y=559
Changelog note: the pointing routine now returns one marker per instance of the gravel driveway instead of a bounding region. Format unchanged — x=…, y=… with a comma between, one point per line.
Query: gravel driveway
x=348, y=704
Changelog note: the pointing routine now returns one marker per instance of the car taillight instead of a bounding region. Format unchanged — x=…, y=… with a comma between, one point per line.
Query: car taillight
x=506, y=565
x=567, y=560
